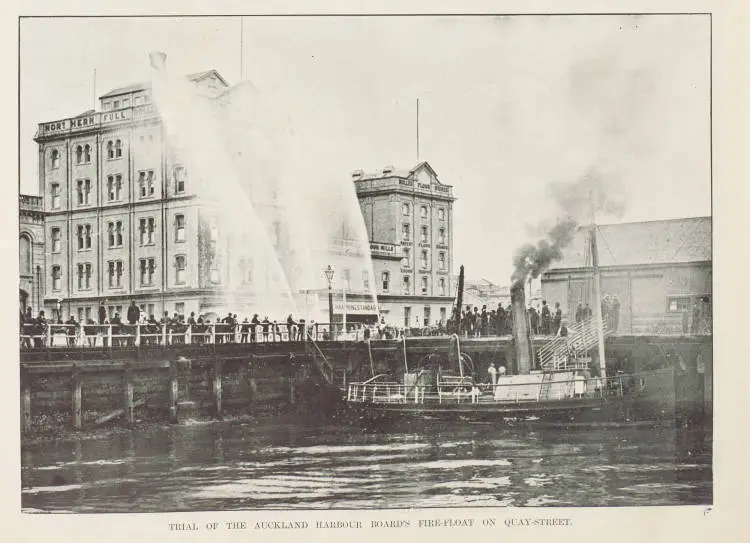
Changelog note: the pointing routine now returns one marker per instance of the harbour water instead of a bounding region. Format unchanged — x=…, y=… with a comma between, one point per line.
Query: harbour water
x=248, y=464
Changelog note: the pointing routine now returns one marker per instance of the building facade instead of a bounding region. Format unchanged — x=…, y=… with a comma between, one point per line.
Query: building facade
x=31, y=266
x=121, y=220
x=657, y=271
x=408, y=215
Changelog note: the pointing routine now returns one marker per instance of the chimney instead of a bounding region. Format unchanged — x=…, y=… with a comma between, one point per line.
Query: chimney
x=357, y=174
x=521, y=331
x=388, y=170
x=158, y=60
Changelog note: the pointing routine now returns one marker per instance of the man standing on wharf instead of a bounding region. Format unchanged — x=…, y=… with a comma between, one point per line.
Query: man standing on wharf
x=133, y=313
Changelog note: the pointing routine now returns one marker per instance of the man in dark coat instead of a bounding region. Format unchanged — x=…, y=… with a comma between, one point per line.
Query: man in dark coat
x=500, y=320
x=534, y=320
x=557, y=321
x=484, y=321
x=254, y=323
x=102, y=313
x=134, y=313
x=546, y=319
x=579, y=312
x=291, y=328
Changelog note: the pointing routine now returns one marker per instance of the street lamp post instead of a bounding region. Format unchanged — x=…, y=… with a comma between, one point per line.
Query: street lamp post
x=329, y=276
x=59, y=311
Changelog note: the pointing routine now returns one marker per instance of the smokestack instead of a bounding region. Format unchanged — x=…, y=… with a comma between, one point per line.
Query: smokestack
x=521, y=331
x=158, y=60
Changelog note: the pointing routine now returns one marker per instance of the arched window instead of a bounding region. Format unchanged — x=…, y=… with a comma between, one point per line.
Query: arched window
x=118, y=149
x=87, y=153
x=55, y=158
x=24, y=255
x=110, y=150
x=79, y=154
x=386, y=281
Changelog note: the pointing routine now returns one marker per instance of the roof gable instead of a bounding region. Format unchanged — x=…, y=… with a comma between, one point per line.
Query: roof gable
x=195, y=78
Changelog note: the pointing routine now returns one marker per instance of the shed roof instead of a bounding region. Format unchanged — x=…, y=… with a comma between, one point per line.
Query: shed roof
x=669, y=241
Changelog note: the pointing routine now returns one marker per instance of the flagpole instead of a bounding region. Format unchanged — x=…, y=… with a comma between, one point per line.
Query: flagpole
x=242, y=48
x=417, y=129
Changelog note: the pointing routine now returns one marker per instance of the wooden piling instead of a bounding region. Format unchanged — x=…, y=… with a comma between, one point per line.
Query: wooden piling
x=174, y=391
x=77, y=397
x=25, y=402
x=218, y=367
x=127, y=386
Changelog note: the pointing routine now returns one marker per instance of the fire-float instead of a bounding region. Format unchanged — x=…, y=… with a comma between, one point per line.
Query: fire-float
x=561, y=383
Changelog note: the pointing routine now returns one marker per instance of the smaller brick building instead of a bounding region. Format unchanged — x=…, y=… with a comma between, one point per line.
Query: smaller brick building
x=31, y=253
x=657, y=271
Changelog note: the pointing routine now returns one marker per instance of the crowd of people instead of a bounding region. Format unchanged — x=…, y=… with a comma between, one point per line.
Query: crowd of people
x=147, y=330
x=474, y=322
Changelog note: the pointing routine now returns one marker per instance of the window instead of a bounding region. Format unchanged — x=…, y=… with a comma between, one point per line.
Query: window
x=87, y=236
x=427, y=315
x=114, y=187
x=246, y=271
x=386, y=279
x=84, y=277
x=115, y=273
x=423, y=235
x=79, y=154
x=110, y=150
x=179, y=179
x=441, y=236
x=56, y=277
x=55, y=158
x=79, y=229
x=87, y=159
x=80, y=314
x=441, y=261
x=147, y=267
x=125, y=102
x=407, y=257
x=441, y=286
x=424, y=285
x=24, y=255
x=146, y=183
x=114, y=231
x=83, y=188
x=179, y=227
x=406, y=285
x=679, y=304
x=405, y=208
x=55, y=236
x=137, y=102
x=423, y=212
x=179, y=267
x=147, y=226
x=405, y=232
x=366, y=280
x=441, y=214
x=116, y=104
x=142, y=183
x=276, y=234
x=443, y=315
x=423, y=260
x=407, y=317
x=346, y=276
x=179, y=308
x=55, y=190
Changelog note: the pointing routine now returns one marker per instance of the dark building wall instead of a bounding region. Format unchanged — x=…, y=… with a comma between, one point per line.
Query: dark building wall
x=649, y=296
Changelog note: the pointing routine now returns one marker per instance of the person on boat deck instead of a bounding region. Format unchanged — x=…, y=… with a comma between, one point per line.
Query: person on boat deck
x=546, y=319
x=587, y=312
x=485, y=321
x=579, y=313
x=477, y=322
x=492, y=371
x=558, y=319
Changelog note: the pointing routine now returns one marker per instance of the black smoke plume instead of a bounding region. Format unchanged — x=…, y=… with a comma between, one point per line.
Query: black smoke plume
x=577, y=201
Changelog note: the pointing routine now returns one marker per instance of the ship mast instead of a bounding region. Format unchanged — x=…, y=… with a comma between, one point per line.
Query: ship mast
x=597, y=292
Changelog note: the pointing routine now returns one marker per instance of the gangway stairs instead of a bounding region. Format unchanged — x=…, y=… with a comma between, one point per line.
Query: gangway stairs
x=332, y=376
x=563, y=352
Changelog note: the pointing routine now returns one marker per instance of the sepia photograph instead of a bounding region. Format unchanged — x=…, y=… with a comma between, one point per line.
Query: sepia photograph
x=358, y=263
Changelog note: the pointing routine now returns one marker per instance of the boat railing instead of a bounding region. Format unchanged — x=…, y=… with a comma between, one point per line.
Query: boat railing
x=461, y=392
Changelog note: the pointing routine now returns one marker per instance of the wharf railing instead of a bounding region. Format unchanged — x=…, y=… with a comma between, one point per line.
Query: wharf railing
x=379, y=390
x=56, y=335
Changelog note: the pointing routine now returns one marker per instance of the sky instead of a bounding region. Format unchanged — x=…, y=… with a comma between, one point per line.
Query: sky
x=508, y=106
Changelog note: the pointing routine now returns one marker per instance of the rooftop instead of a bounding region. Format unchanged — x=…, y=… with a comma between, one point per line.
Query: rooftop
x=390, y=171
x=147, y=85
x=670, y=241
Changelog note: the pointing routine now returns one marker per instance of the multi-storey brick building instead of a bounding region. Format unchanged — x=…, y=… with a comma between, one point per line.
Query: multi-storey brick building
x=409, y=219
x=31, y=252
x=122, y=221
